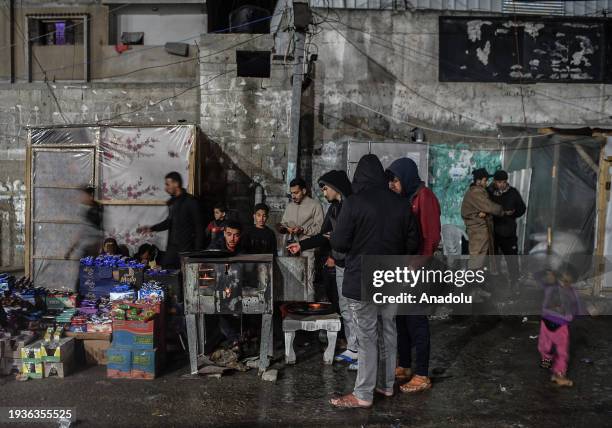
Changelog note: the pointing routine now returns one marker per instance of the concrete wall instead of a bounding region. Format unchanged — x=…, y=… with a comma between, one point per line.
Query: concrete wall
x=388, y=63
x=174, y=23
x=246, y=123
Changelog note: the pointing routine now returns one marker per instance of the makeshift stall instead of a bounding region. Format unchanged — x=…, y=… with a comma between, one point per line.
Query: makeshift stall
x=125, y=164
x=228, y=286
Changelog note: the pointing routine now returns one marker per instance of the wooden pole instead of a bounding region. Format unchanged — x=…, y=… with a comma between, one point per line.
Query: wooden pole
x=553, y=195
x=603, y=196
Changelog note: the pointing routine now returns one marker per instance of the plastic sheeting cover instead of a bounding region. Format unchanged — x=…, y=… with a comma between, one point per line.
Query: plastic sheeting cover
x=134, y=161
x=121, y=222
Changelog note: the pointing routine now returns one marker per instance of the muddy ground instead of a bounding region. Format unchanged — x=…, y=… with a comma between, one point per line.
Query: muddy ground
x=485, y=374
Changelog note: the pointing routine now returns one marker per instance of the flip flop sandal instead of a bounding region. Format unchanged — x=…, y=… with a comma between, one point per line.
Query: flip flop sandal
x=348, y=401
x=403, y=374
x=416, y=384
x=384, y=392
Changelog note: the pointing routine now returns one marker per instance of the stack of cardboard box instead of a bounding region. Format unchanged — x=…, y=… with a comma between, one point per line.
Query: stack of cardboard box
x=138, y=345
x=10, y=351
x=48, y=358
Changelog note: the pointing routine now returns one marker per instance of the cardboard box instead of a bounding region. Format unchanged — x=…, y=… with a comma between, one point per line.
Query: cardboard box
x=32, y=352
x=11, y=345
x=10, y=366
x=58, y=352
x=52, y=351
x=117, y=374
x=60, y=301
x=171, y=280
x=95, y=351
x=134, y=340
x=34, y=370
x=59, y=370
x=145, y=364
x=136, y=327
x=119, y=358
x=131, y=276
x=99, y=328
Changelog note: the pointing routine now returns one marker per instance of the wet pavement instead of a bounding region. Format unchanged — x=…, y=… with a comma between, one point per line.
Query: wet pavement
x=485, y=374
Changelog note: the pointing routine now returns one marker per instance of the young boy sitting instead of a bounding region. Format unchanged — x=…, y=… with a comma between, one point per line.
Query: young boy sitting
x=259, y=238
x=559, y=308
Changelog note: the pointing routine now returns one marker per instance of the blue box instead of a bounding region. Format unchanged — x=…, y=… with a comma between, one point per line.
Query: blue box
x=91, y=286
x=132, y=340
x=119, y=358
x=144, y=364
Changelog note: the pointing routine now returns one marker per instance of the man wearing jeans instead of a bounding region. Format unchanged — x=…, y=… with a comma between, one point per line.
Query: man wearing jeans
x=373, y=221
x=336, y=188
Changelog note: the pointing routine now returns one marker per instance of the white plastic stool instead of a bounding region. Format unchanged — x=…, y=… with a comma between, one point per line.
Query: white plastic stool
x=330, y=323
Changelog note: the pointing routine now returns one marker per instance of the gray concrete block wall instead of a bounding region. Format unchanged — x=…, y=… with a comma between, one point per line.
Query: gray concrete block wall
x=247, y=125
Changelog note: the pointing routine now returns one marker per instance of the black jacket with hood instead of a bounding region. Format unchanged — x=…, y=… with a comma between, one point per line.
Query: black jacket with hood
x=373, y=221
x=510, y=200
x=339, y=181
x=184, y=226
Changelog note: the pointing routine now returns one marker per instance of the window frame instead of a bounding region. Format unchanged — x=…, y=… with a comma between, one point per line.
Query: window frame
x=58, y=16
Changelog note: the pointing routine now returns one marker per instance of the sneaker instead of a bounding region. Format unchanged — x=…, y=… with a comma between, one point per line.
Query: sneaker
x=561, y=380
x=354, y=366
x=546, y=363
x=347, y=356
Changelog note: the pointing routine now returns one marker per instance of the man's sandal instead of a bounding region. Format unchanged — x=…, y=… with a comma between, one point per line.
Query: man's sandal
x=416, y=384
x=349, y=401
x=384, y=392
x=402, y=374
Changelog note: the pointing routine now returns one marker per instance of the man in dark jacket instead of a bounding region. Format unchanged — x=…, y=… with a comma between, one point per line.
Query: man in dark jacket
x=336, y=188
x=504, y=227
x=373, y=221
x=184, y=222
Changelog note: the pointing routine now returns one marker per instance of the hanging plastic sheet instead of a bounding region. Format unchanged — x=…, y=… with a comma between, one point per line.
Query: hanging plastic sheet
x=64, y=136
x=126, y=165
x=134, y=161
x=563, y=192
x=121, y=222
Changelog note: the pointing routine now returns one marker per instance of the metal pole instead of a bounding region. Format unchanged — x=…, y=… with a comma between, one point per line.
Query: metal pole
x=296, y=100
x=12, y=37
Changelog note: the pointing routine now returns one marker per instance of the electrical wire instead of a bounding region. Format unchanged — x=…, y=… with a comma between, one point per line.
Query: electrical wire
x=66, y=28
x=475, y=74
x=125, y=54
x=59, y=107
x=410, y=89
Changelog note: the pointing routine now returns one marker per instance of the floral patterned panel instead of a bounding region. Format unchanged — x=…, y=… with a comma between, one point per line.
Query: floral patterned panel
x=121, y=222
x=134, y=161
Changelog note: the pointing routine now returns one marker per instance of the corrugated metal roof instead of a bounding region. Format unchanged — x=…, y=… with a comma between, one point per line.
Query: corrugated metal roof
x=534, y=7
x=567, y=8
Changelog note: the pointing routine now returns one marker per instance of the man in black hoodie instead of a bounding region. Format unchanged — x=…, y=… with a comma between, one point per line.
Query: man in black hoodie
x=336, y=188
x=373, y=221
